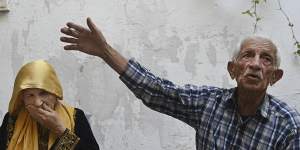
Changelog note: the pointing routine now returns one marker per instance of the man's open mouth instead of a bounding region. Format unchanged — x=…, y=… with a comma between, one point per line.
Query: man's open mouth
x=253, y=76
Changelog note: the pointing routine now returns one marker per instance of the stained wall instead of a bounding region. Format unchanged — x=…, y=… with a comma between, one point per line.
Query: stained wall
x=184, y=41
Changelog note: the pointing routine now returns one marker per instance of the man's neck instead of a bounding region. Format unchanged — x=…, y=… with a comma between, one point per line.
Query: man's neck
x=249, y=101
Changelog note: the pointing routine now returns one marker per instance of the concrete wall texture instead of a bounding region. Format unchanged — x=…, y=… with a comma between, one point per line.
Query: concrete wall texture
x=186, y=41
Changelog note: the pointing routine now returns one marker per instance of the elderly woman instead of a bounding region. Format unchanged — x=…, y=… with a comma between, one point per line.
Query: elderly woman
x=39, y=119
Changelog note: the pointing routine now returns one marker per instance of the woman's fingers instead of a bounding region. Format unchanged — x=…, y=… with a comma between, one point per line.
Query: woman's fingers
x=37, y=111
x=46, y=107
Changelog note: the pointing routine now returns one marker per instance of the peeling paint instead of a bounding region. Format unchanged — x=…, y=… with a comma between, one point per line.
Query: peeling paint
x=16, y=58
x=81, y=68
x=82, y=4
x=189, y=41
x=25, y=32
x=47, y=4
x=212, y=55
x=190, y=60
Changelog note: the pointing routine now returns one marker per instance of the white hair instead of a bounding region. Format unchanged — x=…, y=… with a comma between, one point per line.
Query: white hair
x=236, y=51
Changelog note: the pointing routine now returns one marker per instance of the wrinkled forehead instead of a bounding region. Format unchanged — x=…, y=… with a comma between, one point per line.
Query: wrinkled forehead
x=259, y=44
x=35, y=91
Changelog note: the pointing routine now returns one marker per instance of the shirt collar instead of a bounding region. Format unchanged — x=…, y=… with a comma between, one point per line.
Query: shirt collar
x=229, y=98
x=230, y=103
x=263, y=109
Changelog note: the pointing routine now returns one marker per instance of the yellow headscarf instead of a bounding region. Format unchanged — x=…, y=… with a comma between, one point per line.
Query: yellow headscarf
x=36, y=74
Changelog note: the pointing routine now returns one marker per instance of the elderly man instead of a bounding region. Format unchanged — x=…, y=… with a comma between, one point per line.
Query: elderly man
x=245, y=117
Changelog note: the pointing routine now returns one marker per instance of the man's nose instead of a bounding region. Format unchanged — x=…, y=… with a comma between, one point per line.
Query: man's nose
x=255, y=63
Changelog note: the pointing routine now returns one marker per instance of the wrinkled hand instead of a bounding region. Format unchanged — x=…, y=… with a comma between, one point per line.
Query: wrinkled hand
x=47, y=117
x=90, y=41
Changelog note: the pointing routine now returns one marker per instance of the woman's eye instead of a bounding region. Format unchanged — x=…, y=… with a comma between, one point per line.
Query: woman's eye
x=27, y=95
x=44, y=93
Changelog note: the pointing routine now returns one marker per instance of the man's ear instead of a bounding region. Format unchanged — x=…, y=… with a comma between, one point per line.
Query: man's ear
x=231, y=69
x=277, y=75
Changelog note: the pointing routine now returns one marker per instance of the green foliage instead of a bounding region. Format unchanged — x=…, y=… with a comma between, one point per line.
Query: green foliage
x=248, y=12
x=256, y=1
x=297, y=44
x=252, y=12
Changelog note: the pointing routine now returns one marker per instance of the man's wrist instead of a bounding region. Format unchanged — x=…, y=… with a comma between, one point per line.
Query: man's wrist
x=106, y=52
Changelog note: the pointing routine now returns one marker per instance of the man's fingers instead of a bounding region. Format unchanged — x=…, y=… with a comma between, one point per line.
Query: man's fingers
x=91, y=25
x=76, y=27
x=70, y=32
x=68, y=40
x=72, y=47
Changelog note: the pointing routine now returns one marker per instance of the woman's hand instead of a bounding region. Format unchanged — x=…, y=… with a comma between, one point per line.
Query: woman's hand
x=47, y=117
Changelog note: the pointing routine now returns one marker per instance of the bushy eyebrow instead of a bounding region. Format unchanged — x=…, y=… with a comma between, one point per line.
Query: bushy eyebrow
x=266, y=54
x=249, y=50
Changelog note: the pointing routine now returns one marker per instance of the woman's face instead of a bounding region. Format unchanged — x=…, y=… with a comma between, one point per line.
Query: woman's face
x=37, y=97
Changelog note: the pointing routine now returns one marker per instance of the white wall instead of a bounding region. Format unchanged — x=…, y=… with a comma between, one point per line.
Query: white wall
x=186, y=41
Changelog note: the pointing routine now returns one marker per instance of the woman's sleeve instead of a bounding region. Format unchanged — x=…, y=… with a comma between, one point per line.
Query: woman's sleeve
x=3, y=132
x=84, y=132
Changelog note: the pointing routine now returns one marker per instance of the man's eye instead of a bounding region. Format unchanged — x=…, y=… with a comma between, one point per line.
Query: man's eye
x=267, y=57
x=247, y=55
x=268, y=60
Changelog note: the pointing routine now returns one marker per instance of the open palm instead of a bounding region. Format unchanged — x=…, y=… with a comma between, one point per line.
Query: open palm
x=90, y=41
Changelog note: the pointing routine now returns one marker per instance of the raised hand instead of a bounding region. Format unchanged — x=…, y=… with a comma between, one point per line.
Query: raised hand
x=47, y=117
x=90, y=41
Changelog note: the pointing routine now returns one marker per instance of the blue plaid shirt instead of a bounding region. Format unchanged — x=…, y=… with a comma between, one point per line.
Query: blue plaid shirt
x=213, y=113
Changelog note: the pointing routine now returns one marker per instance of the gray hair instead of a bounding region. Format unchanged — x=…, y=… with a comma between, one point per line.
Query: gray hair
x=236, y=51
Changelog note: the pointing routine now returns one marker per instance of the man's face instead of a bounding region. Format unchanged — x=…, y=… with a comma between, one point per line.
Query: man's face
x=255, y=65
